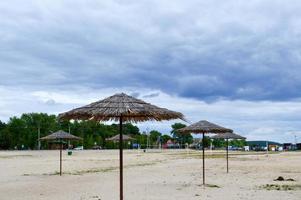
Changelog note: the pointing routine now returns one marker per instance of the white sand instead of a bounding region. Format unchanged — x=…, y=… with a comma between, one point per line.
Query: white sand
x=155, y=175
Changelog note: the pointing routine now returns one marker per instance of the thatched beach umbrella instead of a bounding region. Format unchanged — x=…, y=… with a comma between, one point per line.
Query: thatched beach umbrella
x=116, y=138
x=122, y=108
x=60, y=136
x=203, y=127
x=228, y=136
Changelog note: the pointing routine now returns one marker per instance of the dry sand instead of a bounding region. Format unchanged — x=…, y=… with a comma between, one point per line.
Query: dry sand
x=154, y=175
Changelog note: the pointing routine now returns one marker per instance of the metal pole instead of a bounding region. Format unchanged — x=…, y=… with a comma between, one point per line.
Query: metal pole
x=69, y=133
x=203, y=144
x=121, y=158
x=39, y=135
x=61, y=147
x=227, y=155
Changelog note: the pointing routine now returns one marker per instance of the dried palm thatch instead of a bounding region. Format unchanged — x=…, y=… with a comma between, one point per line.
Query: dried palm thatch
x=60, y=135
x=228, y=135
x=121, y=105
x=204, y=127
x=116, y=138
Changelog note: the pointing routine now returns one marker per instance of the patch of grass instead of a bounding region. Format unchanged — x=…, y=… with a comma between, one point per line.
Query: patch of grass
x=96, y=170
x=292, y=171
x=90, y=171
x=212, y=186
x=14, y=156
x=199, y=156
x=280, y=187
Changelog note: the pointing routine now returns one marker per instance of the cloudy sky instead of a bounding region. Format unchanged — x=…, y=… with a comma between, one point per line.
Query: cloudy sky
x=235, y=62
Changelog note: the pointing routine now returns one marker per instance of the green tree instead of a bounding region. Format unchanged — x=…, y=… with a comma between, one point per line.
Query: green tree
x=5, y=136
x=165, y=138
x=24, y=131
x=18, y=131
x=218, y=143
x=238, y=143
x=130, y=129
x=154, y=136
x=2, y=125
x=38, y=122
x=207, y=141
x=181, y=138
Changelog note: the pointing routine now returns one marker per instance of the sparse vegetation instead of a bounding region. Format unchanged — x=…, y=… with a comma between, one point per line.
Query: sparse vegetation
x=280, y=187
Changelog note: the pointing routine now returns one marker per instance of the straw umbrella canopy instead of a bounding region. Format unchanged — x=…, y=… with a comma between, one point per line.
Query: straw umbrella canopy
x=228, y=136
x=203, y=127
x=122, y=108
x=60, y=136
x=116, y=138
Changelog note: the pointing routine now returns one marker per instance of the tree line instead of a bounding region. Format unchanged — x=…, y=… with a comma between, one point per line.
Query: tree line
x=23, y=132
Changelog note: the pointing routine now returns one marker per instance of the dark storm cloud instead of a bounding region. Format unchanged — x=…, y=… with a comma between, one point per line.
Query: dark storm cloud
x=201, y=49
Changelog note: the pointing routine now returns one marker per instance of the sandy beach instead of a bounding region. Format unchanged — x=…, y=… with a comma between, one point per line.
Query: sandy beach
x=154, y=175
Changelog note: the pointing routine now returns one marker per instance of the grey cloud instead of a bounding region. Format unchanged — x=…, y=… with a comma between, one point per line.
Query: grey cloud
x=156, y=94
x=200, y=49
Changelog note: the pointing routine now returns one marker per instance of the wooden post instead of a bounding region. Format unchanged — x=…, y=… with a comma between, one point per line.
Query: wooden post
x=61, y=147
x=121, y=158
x=39, y=136
x=227, y=155
x=203, y=144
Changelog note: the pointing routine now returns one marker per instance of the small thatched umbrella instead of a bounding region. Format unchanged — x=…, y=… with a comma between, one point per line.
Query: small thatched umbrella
x=228, y=136
x=60, y=136
x=122, y=108
x=116, y=138
x=204, y=127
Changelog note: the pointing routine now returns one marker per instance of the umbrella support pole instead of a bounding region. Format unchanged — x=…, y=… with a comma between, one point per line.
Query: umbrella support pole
x=61, y=158
x=121, y=158
x=227, y=155
x=203, y=158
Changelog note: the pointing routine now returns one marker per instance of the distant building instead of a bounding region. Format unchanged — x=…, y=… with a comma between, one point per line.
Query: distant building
x=298, y=146
x=287, y=146
x=246, y=148
x=290, y=147
x=171, y=145
x=262, y=145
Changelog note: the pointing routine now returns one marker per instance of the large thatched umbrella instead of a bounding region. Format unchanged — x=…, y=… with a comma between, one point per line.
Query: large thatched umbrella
x=204, y=127
x=122, y=108
x=228, y=136
x=60, y=136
